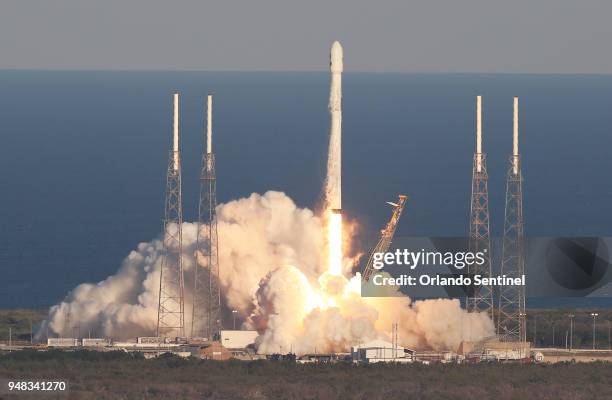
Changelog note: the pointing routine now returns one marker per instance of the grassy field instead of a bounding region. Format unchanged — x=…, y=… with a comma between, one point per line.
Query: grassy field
x=542, y=323
x=19, y=320
x=118, y=375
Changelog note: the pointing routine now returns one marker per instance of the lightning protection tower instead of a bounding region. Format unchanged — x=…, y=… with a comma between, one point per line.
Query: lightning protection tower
x=171, y=311
x=511, y=322
x=480, y=299
x=206, y=317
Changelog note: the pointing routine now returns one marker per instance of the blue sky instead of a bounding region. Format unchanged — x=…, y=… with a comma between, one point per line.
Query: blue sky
x=524, y=36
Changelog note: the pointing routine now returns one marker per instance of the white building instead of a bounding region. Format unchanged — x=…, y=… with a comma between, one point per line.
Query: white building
x=238, y=339
x=62, y=342
x=381, y=351
x=97, y=342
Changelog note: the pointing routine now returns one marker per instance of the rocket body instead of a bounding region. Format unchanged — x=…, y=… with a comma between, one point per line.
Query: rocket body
x=334, y=162
x=333, y=190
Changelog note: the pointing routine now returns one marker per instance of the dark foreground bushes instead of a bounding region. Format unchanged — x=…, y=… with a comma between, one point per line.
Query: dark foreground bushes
x=119, y=375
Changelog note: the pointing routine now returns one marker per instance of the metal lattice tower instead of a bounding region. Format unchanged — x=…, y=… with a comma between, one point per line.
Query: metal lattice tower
x=386, y=236
x=481, y=299
x=171, y=311
x=206, y=318
x=511, y=323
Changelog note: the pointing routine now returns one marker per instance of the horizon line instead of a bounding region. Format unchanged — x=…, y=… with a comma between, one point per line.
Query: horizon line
x=318, y=71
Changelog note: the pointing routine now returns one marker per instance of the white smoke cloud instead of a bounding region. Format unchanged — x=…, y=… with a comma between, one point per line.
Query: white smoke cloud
x=272, y=267
x=257, y=233
x=298, y=320
x=260, y=233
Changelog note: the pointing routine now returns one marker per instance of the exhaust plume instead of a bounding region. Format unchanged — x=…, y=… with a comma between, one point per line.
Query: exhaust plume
x=258, y=233
x=275, y=274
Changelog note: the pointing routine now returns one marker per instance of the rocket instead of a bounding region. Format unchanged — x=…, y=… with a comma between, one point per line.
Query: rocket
x=334, y=162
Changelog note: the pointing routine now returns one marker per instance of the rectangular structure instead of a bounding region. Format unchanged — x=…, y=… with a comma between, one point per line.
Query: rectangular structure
x=238, y=339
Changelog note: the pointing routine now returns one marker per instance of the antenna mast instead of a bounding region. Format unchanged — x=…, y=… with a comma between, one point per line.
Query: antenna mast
x=206, y=317
x=171, y=310
x=480, y=299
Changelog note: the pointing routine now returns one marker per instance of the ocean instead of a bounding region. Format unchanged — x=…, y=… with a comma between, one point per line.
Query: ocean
x=83, y=157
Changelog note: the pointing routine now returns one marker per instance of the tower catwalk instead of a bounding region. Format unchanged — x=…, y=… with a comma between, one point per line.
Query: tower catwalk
x=206, y=317
x=480, y=299
x=171, y=311
x=511, y=323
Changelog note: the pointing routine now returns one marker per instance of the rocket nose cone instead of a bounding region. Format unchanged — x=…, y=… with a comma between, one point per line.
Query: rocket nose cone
x=335, y=58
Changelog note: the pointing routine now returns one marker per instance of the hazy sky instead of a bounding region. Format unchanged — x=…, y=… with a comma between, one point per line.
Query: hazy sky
x=382, y=35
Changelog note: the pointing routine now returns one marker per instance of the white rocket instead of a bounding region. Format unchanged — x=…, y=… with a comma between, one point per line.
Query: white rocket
x=334, y=162
x=175, y=128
